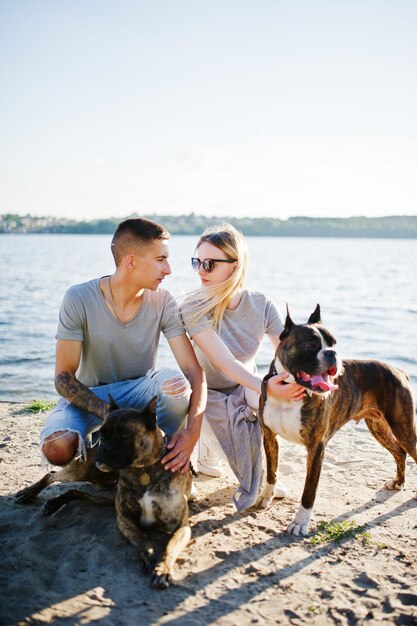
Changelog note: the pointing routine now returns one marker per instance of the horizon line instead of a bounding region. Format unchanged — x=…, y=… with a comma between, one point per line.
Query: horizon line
x=205, y=216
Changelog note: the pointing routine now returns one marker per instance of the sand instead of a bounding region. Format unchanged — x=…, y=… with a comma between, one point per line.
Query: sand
x=74, y=567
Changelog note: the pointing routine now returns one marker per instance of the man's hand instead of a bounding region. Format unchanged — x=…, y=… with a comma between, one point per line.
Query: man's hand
x=278, y=389
x=179, y=452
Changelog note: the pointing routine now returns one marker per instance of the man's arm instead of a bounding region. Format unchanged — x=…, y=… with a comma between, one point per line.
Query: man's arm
x=182, y=444
x=67, y=360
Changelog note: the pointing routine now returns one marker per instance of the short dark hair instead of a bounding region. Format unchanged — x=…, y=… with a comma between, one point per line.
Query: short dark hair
x=135, y=232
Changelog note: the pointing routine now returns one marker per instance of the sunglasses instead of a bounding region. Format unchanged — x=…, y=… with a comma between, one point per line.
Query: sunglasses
x=208, y=264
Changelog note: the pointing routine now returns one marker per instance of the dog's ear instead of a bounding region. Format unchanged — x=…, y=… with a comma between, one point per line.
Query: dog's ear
x=315, y=316
x=150, y=414
x=288, y=325
x=113, y=404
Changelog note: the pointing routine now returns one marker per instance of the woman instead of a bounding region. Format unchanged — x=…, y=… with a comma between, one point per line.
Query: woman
x=227, y=324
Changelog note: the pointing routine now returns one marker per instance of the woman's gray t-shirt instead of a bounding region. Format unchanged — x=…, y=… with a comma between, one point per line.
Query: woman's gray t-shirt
x=242, y=331
x=112, y=352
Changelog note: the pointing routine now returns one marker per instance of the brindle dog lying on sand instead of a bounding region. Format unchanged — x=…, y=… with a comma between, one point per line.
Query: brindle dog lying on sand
x=151, y=502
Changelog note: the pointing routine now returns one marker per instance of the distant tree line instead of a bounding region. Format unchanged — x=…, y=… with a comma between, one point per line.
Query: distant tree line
x=404, y=226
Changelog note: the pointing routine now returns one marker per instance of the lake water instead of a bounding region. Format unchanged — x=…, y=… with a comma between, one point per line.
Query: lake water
x=367, y=289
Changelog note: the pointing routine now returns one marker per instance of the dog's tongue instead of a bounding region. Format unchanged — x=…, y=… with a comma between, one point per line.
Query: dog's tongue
x=324, y=384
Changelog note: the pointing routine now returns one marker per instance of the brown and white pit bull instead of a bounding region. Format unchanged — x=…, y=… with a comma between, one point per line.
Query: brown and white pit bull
x=337, y=391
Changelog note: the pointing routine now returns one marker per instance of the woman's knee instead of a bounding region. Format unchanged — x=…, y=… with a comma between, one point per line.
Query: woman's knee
x=60, y=447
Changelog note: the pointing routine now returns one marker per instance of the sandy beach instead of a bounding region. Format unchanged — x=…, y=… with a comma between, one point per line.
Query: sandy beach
x=74, y=567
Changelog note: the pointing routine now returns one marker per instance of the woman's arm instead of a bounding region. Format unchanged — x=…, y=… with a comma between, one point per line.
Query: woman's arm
x=219, y=354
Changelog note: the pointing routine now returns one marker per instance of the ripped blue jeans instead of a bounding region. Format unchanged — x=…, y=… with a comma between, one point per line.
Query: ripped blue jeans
x=171, y=409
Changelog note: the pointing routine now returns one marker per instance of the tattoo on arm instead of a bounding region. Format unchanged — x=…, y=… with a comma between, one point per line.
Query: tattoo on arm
x=79, y=395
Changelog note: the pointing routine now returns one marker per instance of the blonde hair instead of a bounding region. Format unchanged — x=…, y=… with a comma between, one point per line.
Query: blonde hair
x=213, y=300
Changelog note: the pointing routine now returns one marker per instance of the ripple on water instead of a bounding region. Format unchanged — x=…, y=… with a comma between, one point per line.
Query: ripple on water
x=366, y=293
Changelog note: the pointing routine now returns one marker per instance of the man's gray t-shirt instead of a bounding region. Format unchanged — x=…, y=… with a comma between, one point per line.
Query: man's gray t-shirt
x=112, y=352
x=242, y=331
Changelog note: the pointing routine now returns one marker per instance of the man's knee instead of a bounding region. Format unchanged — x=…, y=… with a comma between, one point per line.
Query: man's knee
x=176, y=386
x=61, y=447
x=174, y=399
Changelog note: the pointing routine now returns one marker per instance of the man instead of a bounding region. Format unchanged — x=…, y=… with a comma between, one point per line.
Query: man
x=107, y=341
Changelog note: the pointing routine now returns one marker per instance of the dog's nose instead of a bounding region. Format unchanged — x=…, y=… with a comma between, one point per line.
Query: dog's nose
x=330, y=355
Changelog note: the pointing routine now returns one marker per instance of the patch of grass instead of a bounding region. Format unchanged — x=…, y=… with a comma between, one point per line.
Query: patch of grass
x=336, y=531
x=37, y=406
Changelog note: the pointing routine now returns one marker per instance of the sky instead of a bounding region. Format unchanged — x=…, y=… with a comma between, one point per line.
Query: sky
x=218, y=107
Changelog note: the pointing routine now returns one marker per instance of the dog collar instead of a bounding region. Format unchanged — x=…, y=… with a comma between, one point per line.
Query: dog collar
x=145, y=477
x=163, y=452
x=165, y=443
x=272, y=372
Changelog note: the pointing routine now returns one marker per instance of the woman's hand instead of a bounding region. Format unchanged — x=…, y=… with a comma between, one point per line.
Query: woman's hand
x=278, y=389
x=179, y=451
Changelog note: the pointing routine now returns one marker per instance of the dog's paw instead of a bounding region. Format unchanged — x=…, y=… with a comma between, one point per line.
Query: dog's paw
x=28, y=494
x=263, y=503
x=299, y=525
x=265, y=497
x=161, y=577
x=297, y=529
x=25, y=496
x=394, y=485
x=50, y=507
